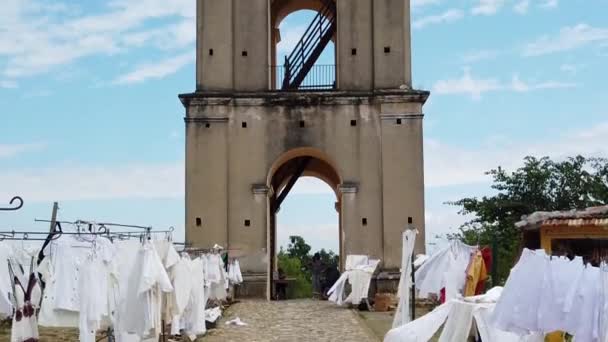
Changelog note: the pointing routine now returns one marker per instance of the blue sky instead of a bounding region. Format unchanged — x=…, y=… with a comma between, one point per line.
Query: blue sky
x=89, y=114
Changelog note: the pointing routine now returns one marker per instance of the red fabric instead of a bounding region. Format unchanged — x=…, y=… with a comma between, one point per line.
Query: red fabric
x=442, y=296
x=486, y=254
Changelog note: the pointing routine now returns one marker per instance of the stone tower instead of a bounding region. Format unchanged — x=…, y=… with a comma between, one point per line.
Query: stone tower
x=254, y=125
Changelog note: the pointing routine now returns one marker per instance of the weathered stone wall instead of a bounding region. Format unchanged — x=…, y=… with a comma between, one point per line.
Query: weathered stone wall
x=374, y=141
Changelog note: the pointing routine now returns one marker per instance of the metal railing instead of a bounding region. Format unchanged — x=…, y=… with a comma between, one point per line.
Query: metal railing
x=319, y=77
x=306, y=52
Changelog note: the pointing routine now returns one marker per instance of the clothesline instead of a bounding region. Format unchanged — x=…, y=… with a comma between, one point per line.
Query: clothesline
x=89, y=286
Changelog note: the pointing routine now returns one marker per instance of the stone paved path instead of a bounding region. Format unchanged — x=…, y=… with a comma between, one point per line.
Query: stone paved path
x=294, y=320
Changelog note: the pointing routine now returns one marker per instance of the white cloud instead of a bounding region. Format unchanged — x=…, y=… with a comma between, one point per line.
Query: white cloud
x=467, y=84
x=36, y=37
x=487, y=7
x=157, y=70
x=549, y=4
x=569, y=38
x=520, y=86
x=12, y=150
x=476, y=87
x=480, y=55
x=445, y=17
x=447, y=165
x=522, y=6
x=73, y=182
x=290, y=37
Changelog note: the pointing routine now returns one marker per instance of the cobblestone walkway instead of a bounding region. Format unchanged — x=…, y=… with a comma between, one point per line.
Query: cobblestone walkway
x=295, y=320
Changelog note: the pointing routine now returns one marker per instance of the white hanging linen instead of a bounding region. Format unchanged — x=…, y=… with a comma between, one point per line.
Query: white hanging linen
x=6, y=308
x=194, y=315
x=444, y=269
x=557, y=281
x=27, y=295
x=191, y=298
x=603, y=304
x=517, y=308
x=95, y=281
x=421, y=329
x=61, y=305
x=544, y=294
x=359, y=277
x=456, y=316
x=402, y=315
x=142, y=281
x=234, y=273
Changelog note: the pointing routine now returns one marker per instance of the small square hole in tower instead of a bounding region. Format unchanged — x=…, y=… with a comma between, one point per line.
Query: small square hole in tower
x=207, y=125
x=244, y=124
x=302, y=124
x=364, y=221
x=387, y=49
x=353, y=123
x=398, y=121
x=199, y=222
x=210, y=52
x=247, y=223
x=244, y=53
x=353, y=52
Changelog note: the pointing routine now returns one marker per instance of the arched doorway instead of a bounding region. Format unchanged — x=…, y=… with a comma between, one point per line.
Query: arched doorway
x=283, y=175
x=303, y=44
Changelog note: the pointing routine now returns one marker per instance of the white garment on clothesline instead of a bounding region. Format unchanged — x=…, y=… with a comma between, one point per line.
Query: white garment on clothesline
x=456, y=316
x=6, y=308
x=360, y=279
x=444, y=269
x=402, y=315
x=544, y=294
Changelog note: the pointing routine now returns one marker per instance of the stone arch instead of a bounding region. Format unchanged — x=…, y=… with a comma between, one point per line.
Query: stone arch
x=316, y=164
x=321, y=167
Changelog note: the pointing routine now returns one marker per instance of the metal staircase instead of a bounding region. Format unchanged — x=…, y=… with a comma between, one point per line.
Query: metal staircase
x=308, y=50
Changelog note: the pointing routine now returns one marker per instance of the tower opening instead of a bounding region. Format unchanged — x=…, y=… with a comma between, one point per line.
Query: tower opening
x=313, y=220
x=303, y=45
x=308, y=224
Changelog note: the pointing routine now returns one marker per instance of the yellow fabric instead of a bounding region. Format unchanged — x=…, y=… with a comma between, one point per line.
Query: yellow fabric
x=476, y=272
x=557, y=336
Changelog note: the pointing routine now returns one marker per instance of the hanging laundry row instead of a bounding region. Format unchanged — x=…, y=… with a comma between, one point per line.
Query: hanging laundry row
x=547, y=294
x=454, y=271
x=133, y=288
x=457, y=317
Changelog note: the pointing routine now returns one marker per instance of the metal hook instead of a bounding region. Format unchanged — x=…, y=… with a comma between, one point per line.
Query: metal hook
x=16, y=198
x=103, y=229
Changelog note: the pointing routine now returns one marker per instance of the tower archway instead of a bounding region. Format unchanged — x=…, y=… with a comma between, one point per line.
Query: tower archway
x=283, y=175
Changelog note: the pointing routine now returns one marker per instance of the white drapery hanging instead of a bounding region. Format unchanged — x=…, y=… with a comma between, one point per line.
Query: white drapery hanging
x=402, y=316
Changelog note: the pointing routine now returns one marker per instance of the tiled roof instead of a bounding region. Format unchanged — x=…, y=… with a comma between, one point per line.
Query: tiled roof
x=594, y=216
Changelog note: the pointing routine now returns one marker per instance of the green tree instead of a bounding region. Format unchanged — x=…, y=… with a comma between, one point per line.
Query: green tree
x=298, y=248
x=295, y=262
x=301, y=286
x=540, y=184
x=329, y=258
